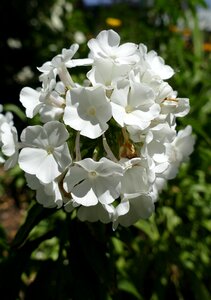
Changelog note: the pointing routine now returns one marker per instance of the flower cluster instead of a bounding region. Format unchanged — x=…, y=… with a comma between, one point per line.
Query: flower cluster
x=107, y=146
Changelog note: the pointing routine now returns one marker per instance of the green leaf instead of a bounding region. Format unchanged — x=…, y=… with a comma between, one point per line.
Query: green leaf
x=149, y=228
x=129, y=287
x=171, y=218
x=16, y=110
x=36, y=213
x=207, y=224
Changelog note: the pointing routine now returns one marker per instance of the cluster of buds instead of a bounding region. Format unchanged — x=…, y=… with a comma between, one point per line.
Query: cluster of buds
x=106, y=147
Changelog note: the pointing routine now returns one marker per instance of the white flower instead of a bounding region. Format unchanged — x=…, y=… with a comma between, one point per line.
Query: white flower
x=132, y=208
x=179, y=151
x=136, y=178
x=136, y=188
x=8, y=139
x=106, y=45
x=65, y=58
x=155, y=63
x=61, y=62
x=10, y=146
x=45, y=153
x=154, y=147
x=30, y=99
x=87, y=110
x=105, y=72
x=53, y=102
x=49, y=195
x=99, y=212
x=179, y=107
x=90, y=182
x=7, y=117
x=134, y=105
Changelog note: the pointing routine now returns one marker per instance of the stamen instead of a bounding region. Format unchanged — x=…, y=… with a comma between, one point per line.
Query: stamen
x=108, y=150
x=77, y=146
x=170, y=99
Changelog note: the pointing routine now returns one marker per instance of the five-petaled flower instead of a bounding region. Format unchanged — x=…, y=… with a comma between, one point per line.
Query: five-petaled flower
x=45, y=152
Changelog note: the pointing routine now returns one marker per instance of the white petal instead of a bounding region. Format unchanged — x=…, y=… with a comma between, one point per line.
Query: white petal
x=9, y=139
x=56, y=132
x=93, y=131
x=127, y=49
x=141, y=207
x=107, y=167
x=11, y=162
x=31, y=159
x=88, y=164
x=48, y=170
x=32, y=181
x=83, y=194
x=103, y=44
x=118, y=113
x=62, y=156
x=94, y=213
x=38, y=162
x=31, y=135
x=74, y=175
x=30, y=100
x=123, y=208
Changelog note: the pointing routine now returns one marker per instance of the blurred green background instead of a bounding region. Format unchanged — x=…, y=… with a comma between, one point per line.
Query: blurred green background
x=54, y=256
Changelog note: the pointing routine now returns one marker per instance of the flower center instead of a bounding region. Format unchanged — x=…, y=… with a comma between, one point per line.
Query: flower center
x=91, y=111
x=49, y=149
x=92, y=174
x=128, y=109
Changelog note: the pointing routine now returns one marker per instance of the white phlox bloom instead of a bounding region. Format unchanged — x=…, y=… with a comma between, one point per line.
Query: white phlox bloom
x=53, y=103
x=154, y=147
x=7, y=117
x=107, y=146
x=164, y=95
x=155, y=63
x=106, y=45
x=133, y=104
x=30, y=99
x=136, y=189
x=132, y=208
x=7, y=143
x=48, y=195
x=164, y=91
x=179, y=151
x=135, y=179
x=45, y=152
x=3, y=119
x=62, y=61
x=59, y=60
x=10, y=147
x=179, y=107
x=48, y=101
x=104, y=72
x=88, y=111
x=65, y=58
x=99, y=212
x=91, y=182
